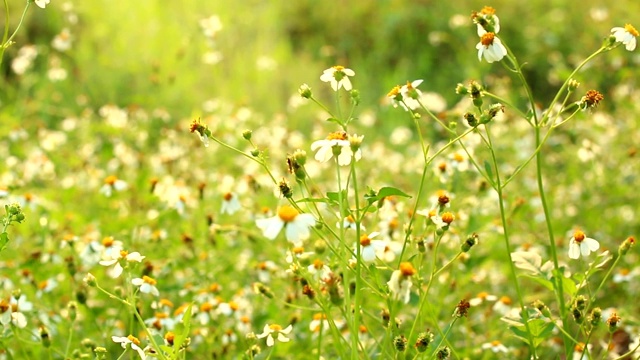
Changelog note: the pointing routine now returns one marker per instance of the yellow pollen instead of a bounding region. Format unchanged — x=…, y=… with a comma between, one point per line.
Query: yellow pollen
x=275, y=327
x=206, y=307
x=28, y=197
x=245, y=319
x=42, y=284
x=483, y=295
x=624, y=271
x=215, y=287
x=234, y=305
x=161, y=315
x=458, y=157
x=338, y=67
x=409, y=86
x=108, y=241
x=365, y=240
x=448, y=217
x=149, y=280
x=407, y=269
x=297, y=250
x=133, y=339
x=124, y=253
x=578, y=236
x=394, y=92
x=488, y=10
x=319, y=316
x=631, y=30
x=442, y=166
x=228, y=196
x=495, y=343
x=318, y=264
x=287, y=213
x=362, y=329
x=394, y=223
x=487, y=39
x=505, y=300
x=337, y=135
x=579, y=347
x=110, y=180
x=350, y=219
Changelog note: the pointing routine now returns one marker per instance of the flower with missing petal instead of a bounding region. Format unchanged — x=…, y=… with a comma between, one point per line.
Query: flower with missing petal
x=338, y=76
x=626, y=35
x=296, y=225
x=491, y=48
x=336, y=143
x=581, y=244
x=147, y=285
x=400, y=282
x=275, y=331
x=132, y=342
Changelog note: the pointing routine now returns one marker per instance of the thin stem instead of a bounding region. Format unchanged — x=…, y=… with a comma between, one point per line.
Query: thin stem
x=6, y=42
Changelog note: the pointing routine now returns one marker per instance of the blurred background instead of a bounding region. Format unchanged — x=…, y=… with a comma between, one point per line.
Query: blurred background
x=179, y=55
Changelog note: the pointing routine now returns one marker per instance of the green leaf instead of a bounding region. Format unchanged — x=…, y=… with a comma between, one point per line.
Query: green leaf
x=334, y=120
x=4, y=240
x=184, y=331
x=540, y=280
x=489, y=170
x=384, y=192
x=334, y=196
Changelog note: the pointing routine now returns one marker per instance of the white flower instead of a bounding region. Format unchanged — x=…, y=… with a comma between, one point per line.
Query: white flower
x=580, y=244
x=411, y=95
x=112, y=183
x=335, y=139
x=117, y=269
x=296, y=225
x=495, y=346
x=400, y=282
x=230, y=203
x=338, y=76
x=487, y=16
x=133, y=341
x=42, y=3
x=626, y=35
x=319, y=270
x=349, y=223
x=275, y=330
x=482, y=297
x=147, y=285
x=369, y=248
x=491, y=47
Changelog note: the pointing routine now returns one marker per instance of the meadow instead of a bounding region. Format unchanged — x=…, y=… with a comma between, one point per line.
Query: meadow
x=319, y=180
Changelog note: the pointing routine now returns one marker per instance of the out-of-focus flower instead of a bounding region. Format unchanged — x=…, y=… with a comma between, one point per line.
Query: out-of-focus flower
x=338, y=76
x=400, y=282
x=275, y=330
x=230, y=203
x=112, y=183
x=132, y=341
x=62, y=41
x=626, y=35
x=369, y=247
x=296, y=225
x=211, y=26
x=491, y=47
x=25, y=58
x=42, y=3
x=123, y=255
x=495, y=346
x=580, y=244
x=486, y=20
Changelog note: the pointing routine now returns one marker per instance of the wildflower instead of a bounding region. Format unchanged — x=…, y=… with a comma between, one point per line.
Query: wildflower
x=132, y=341
x=42, y=3
x=111, y=183
x=491, y=47
x=369, y=247
x=349, y=223
x=495, y=346
x=486, y=20
x=338, y=76
x=400, y=343
x=276, y=330
x=202, y=131
x=147, y=285
x=423, y=341
x=230, y=203
x=591, y=99
x=580, y=244
x=318, y=323
x=117, y=269
x=482, y=297
x=627, y=244
x=578, y=351
x=411, y=95
x=400, y=282
x=319, y=270
x=296, y=225
x=626, y=35
x=305, y=91
x=613, y=322
x=13, y=311
x=462, y=309
x=623, y=275
x=336, y=143
x=503, y=305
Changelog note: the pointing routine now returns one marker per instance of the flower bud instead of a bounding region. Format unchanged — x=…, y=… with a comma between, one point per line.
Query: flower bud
x=247, y=134
x=595, y=318
x=423, y=341
x=613, y=321
x=44, y=336
x=305, y=91
x=400, y=343
x=443, y=353
x=90, y=280
x=255, y=152
x=470, y=242
x=627, y=244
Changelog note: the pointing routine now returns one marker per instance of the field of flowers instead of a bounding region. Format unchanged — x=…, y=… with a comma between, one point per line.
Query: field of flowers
x=268, y=180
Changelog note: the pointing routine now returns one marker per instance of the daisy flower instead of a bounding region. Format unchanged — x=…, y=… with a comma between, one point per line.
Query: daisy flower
x=411, y=95
x=147, y=285
x=626, y=35
x=319, y=270
x=400, y=282
x=275, y=330
x=338, y=76
x=326, y=147
x=117, y=269
x=369, y=247
x=132, y=341
x=580, y=244
x=495, y=346
x=491, y=47
x=42, y=3
x=296, y=225
x=349, y=223
x=487, y=21
x=230, y=203
x=112, y=183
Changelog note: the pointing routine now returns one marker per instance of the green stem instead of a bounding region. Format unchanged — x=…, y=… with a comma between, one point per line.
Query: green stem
x=7, y=42
x=358, y=299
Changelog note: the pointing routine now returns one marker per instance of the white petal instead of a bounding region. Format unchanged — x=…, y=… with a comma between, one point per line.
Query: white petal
x=270, y=227
x=346, y=83
x=270, y=340
x=348, y=72
x=592, y=244
x=282, y=338
x=574, y=250
x=137, y=281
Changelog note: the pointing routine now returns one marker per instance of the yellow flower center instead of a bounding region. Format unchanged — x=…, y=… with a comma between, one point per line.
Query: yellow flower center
x=318, y=264
x=149, y=280
x=365, y=240
x=275, y=327
x=409, y=86
x=337, y=135
x=319, y=316
x=488, y=10
x=234, y=305
x=110, y=180
x=297, y=250
x=407, y=269
x=287, y=213
x=228, y=196
x=124, y=253
x=631, y=30
x=161, y=315
x=624, y=271
x=458, y=157
x=133, y=339
x=505, y=300
x=206, y=307
x=394, y=92
x=487, y=39
x=108, y=241
x=496, y=343
x=448, y=217
x=578, y=236
x=338, y=67
x=483, y=295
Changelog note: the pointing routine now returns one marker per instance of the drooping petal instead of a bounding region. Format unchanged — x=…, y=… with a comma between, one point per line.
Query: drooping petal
x=574, y=250
x=270, y=227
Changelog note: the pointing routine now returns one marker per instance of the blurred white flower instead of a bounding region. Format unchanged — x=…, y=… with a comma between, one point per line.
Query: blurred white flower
x=146, y=284
x=626, y=35
x=275, y=330
x=132, y=341
x=400, y=282
x=230, y=203
x=338, y=76
x=325, y=148
x=62, y=41
x=42, y=3
x=296, y=225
